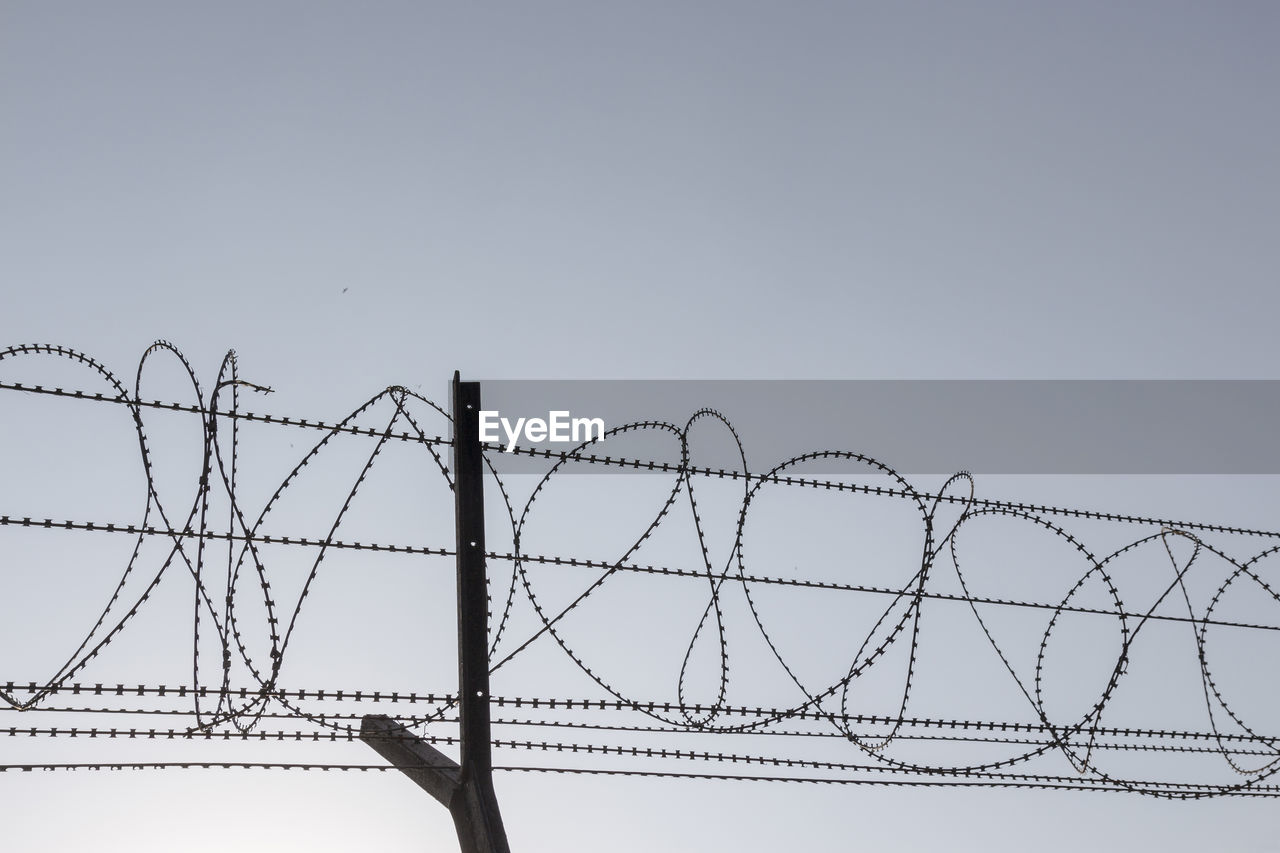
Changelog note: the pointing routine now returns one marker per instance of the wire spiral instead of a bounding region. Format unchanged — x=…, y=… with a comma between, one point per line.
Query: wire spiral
x=1063, y=658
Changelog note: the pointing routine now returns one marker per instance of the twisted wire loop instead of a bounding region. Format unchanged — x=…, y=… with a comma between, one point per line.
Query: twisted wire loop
x=189, y=531
x=874, y=634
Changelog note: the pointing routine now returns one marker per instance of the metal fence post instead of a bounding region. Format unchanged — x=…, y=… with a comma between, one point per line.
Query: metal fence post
x=466, y=787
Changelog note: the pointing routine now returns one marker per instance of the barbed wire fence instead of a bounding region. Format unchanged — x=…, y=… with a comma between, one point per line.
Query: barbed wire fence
x=868, y=670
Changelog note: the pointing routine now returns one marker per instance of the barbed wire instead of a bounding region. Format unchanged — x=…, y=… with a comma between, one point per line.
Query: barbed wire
x=1187, y=792
x=731, y=589
x=501, y=722
x=580, y=704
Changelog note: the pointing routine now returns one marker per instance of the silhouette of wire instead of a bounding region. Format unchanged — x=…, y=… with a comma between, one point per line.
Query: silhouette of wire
x=220, y=709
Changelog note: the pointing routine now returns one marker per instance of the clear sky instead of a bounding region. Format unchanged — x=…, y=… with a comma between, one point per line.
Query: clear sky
x=355, y=195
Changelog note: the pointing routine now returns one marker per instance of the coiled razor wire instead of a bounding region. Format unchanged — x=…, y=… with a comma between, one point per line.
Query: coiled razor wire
x=826, y=711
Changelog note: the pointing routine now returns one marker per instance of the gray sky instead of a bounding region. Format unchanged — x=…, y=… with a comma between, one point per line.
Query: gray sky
x=354, y=196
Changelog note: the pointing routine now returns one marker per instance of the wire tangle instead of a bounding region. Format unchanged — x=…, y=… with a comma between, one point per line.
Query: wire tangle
x=1062, y=656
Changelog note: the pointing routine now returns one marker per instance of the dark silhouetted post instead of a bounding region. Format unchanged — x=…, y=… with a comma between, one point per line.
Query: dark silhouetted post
x=465, y=788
